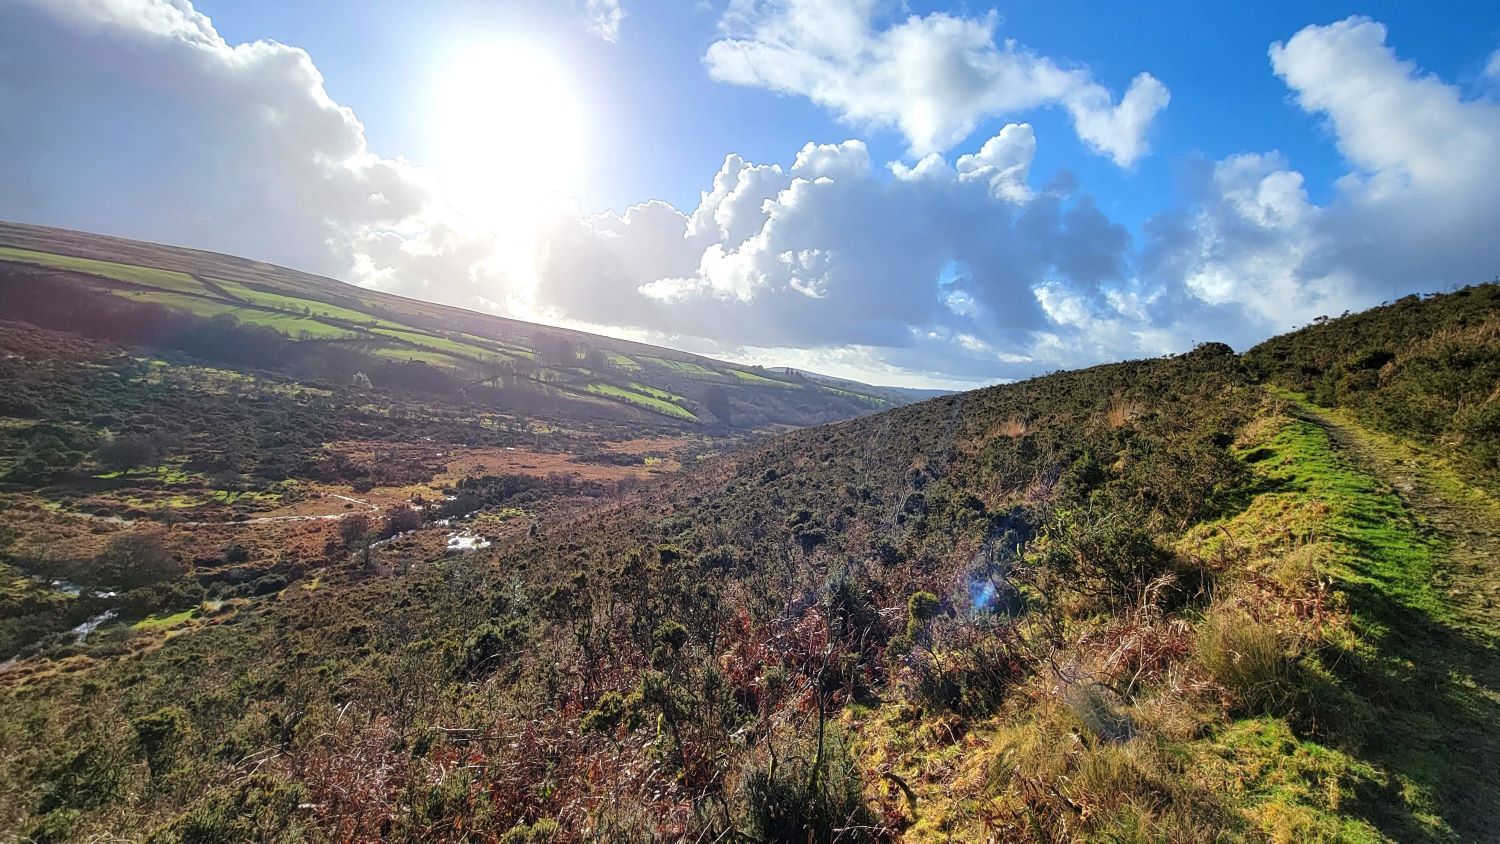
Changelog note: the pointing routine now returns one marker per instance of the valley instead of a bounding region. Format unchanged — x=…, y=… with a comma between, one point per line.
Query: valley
x=392, y=571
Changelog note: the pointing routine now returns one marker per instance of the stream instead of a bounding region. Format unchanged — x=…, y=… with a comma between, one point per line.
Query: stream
x=83, y=630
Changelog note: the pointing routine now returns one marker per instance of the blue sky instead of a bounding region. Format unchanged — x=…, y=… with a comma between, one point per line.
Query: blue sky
x=672, y=125
x=1237, y=197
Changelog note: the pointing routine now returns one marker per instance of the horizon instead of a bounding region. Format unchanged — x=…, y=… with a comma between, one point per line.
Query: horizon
x=788, y=184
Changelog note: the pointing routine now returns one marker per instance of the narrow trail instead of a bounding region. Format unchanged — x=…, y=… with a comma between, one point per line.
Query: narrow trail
x=1446, y=721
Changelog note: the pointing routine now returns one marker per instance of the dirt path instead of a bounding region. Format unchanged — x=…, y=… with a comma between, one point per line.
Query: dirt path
x=1446, y=721
x=1464, y=517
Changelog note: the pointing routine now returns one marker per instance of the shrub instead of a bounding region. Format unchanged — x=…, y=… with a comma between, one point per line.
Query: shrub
x=55, y=826
x=127, y=452
x=137, y=558
x=159, y=735
x=484, y=650
x=807, y=793
x=543, y=831
x=87, y=775
x=400, y=519
x=1112, y=564
x=671, y=634
x=969, y=669
x=269, y=584
x=261, y=808
x=353, y=530
x=606, y=714
x=921, y=607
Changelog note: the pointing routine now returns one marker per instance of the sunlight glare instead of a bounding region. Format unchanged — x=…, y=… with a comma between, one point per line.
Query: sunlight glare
x=508, y=131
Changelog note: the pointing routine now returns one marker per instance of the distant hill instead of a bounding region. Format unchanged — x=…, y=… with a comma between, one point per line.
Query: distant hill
x=136, y=292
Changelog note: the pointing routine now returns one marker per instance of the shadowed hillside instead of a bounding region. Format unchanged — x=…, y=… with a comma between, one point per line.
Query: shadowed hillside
x=251, y=314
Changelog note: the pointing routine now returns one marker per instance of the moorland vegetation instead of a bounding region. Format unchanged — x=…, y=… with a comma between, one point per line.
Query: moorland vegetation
x=1204, y=597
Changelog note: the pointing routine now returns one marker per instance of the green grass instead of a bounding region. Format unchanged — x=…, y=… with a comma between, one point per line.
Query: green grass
x=683, y=367
x=292, y=325
x=655, y=392
x=1382, y=548
x=156, y=623
x=167, y=279
x=195, y=305
x=849, y=394
x=1407, y=652
x=754, y=380
x=1293, y=789
x=404, y=353
x=438, y=344
x=283, y=302
x=225, y=496
x=641, y=400
x=166, y=473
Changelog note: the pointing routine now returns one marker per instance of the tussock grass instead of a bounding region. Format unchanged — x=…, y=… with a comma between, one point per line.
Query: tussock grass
x=1249, y=659
x=1121, y=411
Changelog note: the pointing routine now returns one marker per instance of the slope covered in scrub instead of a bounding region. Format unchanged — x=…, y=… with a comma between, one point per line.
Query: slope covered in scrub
x=1171, y=599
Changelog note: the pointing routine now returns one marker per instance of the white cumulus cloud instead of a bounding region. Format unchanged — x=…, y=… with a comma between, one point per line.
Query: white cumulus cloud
x=830, y=252
x=935, y=77
x=231, y=147
x=1416, y=210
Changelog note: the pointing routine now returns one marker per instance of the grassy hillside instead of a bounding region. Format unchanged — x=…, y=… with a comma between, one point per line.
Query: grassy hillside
x=144, y=293
x=1422, y=368
x=1179, y=599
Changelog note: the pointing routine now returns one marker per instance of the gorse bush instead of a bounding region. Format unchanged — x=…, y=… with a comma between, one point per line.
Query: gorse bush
x=160, y=734
x=1112, y=564
x=263, y=807
x=810, y=789
x=490, y=647
x=969, y=668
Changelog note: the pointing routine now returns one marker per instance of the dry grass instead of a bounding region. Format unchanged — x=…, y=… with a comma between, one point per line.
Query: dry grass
x=1058, y=784
x=1121, y=411
x=1012, y=428
x=1249, y=659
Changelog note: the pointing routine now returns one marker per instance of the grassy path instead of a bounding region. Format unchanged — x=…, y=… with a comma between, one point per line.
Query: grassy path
x=1436, y=680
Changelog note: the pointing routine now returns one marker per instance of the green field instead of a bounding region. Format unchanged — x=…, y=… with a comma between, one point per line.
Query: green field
x=752, y=379
x=106, y=269
x=650, y=402
x=264, y=298
x=654, y=392
x=438, y=344
x=683, y=367
x=405, y=353
x=283, y=302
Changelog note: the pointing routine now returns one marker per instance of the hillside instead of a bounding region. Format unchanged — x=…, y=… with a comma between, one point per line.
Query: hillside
x=1196, y=598
x=140, y=293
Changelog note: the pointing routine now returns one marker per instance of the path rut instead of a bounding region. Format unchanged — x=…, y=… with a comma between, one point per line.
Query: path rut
x=1460, y=676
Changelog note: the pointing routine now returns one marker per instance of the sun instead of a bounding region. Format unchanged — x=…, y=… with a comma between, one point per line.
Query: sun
x=508, y=130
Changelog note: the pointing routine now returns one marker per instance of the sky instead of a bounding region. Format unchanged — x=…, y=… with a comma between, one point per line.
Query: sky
x=917, y=194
